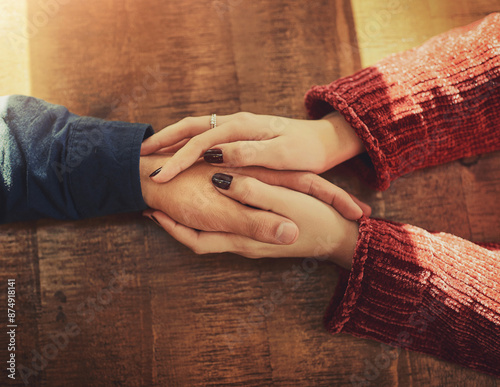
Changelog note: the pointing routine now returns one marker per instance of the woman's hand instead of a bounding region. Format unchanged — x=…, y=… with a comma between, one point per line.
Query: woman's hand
x=244, y=139
x=323, y=232
x=192, y=200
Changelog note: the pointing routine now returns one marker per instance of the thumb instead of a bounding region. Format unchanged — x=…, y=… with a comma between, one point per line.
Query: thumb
x=367, y=210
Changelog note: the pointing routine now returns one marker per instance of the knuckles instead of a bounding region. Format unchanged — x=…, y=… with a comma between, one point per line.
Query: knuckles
x=244, y=117
x=195, y=143
x=238, y=154
x=188, y=121
x=245, y=190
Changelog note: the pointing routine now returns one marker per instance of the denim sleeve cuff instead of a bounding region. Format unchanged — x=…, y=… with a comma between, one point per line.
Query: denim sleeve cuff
x=102, y=166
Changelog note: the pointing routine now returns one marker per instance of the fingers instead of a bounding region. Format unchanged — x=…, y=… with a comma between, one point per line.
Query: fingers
x=196, y=147
x=184, y=129
x=367, y=210
x=173, y=148
x=187, y=236
x=263, y=226
x=187, y=127
x=250, y=191
x=346, y=204
x=203, y=242
x=264, y=153
x=335, y=196
x=316, y=186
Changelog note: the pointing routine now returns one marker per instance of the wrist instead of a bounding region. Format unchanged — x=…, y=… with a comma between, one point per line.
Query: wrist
x=150, y=189
x=343, y=143
x=345, y=254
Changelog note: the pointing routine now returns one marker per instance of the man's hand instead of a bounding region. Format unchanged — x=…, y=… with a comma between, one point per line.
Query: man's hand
x=191, y=199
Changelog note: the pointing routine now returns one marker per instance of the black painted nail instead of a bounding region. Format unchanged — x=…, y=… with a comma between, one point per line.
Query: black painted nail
x=222, y=180
x=155, y=172
x=213, y=156
x=155, y=220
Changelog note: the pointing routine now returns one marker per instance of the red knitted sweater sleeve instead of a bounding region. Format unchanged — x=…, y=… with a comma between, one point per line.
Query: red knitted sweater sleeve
x=426, y=106
x=430, y=292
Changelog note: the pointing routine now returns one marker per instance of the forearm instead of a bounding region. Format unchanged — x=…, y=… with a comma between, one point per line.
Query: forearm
x=429, y=292
x=59, y=165
x=422, y=107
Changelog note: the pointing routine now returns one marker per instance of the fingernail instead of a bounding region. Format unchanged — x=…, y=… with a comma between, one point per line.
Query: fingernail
x=155, y=220
x=155, y=172
x=213, y=156
x=286, y=232
x=221, y=180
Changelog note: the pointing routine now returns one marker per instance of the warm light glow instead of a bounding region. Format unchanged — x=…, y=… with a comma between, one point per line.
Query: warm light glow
x=14, y=48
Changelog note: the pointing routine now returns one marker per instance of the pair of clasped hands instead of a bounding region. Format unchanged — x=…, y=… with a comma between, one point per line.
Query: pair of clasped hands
x=250, y=186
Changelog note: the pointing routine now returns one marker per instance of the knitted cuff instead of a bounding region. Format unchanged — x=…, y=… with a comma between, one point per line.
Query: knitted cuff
x=422, y=107
x=432, y=293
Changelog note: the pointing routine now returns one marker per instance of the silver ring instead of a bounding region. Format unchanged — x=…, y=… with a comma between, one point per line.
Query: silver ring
x=213, y=121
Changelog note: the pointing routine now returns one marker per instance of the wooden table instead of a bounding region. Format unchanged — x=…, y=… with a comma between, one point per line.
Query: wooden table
x=125, y=303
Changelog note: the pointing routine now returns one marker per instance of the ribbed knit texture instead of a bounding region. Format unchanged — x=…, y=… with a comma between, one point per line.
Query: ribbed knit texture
x=429, y=292
x=434, y=293
x=424, y=106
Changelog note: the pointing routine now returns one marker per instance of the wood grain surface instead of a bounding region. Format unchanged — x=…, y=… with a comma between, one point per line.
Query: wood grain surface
x=114, y=301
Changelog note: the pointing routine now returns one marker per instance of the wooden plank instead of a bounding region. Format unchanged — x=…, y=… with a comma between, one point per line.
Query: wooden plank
x=481, y=185
x=181, y=319
x=200, y=332
x=94, y=302
x=19, y=261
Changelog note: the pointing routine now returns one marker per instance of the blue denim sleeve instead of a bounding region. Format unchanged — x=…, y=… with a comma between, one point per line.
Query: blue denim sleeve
x=55, y=164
